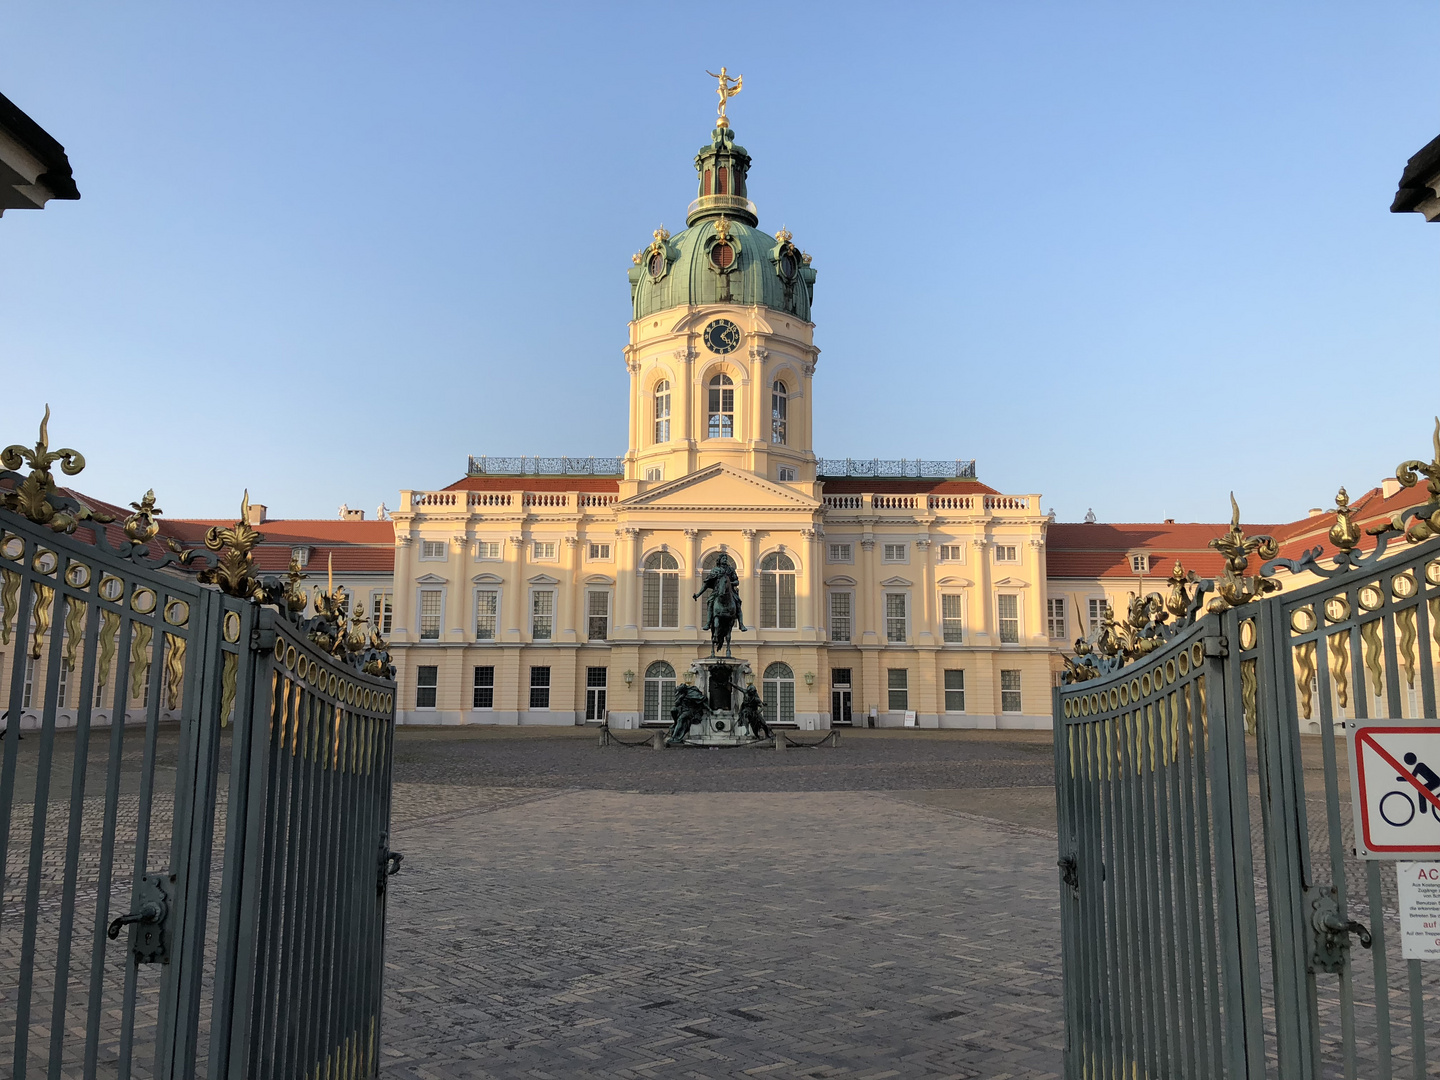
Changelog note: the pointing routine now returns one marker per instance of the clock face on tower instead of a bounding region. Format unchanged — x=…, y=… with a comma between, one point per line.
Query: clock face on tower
x=721, y=336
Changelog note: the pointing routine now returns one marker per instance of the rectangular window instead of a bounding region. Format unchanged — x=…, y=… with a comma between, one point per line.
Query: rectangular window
x=786, y=474
x=896, y=628
x=433, y=550
x=1006, y=553
x=952, y=625
x=1009, y=605
x=1055, y=619
x=893, y=553
x=29, y=683
x=484, y=687
x=954, y=690
x=600, y=552
x=840, y=608
x=839, y=676
x=99, y=690
x=542, y=614
x=595, y=678
x=1097, y=612
x=430, y=600
x=544, y=549
x=62, y=692
x=1140, y=564
x=382, y=605
x=841, y=553
x=487, y=549
x=539, y=688
x=899, y=689
x=145, y=690
x=487, y=612
x=952, y=552
x=1009, y=691
x=598, y=615
x=426, y=682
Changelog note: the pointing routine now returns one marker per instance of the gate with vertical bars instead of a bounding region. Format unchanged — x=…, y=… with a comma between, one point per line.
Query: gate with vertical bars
x=1215, y=919
x=194, y=802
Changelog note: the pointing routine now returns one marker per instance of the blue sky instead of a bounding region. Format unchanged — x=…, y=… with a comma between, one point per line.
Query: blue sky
x=1130, y=256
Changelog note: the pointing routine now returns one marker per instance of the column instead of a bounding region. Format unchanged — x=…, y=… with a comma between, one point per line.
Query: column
x=1035, y=608
x=749, y=583
x=569, y=580
x=514, y=602
x=865, y=633
x=810, y=596
x=627, y=580
x=456, y=611
x=692, y=554
x=928, y=616
x=983, y=601
x=404, y=626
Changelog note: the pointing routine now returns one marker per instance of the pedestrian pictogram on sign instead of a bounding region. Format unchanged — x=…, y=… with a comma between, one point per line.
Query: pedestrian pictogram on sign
x=1395, y=787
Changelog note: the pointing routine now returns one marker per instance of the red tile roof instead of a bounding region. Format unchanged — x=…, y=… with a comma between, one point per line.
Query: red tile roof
x=357, y=547
x=1083, y=550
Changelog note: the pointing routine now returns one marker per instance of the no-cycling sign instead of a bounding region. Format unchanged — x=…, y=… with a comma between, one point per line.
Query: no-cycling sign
x=1395, y=788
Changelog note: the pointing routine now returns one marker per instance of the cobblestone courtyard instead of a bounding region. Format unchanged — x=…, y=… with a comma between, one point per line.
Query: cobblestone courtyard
x=884, y=909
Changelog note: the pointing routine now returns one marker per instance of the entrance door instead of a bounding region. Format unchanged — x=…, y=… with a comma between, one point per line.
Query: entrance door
x=840, y=697
x=595, y=693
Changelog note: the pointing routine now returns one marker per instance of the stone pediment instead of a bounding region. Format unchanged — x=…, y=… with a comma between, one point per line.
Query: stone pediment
x=544, y=579
x=720, y=487
x=487, y=579
x=431, y=579
x=952, y=581
x=896, y=582
x=1012, y=583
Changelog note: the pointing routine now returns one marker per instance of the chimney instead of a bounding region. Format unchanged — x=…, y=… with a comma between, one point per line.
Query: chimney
x=1315, y=511
x=1389, y=486
x=354, y=515
x=257, y=514
x=1169, y=521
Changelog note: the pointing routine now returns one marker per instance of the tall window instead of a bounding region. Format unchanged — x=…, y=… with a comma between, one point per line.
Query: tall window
x=777, y=592
x=484, y=687
x=840, y=608
x=381, y=611
x=722, y=407
x=1009, y=605
x=952, y=625
x=542, y=614
x=1097, y=612
x=430, y=600
x=778, y=397
x=29, y=684
x=778, y=691
x=487, y=611
x=660, y=600
x=662, y=412
x=659, y=692
x=539, y=688
x=898, y=689
x=1055, y=618
x=896, y=624
x=1009, y=691
x=595, y=693
x=63, y=690
x=955, y=690
x=426, y=681
x=597, y=615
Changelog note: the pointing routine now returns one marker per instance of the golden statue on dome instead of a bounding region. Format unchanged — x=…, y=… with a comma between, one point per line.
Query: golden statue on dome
x=726, y=91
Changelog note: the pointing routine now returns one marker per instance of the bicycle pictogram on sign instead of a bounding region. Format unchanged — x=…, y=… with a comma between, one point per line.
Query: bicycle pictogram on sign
x=1395, y=774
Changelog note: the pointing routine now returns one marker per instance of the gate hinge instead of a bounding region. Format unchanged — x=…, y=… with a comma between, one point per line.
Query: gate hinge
x=1217, y=646
x=1330, y=933
x=150, y=921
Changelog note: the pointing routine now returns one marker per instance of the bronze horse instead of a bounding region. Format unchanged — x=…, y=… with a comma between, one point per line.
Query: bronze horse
x=724, y=611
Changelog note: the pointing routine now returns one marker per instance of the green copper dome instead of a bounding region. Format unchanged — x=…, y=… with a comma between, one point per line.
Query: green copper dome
x=722, y=258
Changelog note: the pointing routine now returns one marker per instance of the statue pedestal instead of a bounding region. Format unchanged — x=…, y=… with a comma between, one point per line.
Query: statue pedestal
x=722, y=680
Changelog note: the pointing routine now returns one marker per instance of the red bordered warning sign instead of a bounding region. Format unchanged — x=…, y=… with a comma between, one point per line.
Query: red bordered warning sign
x=1395, y=787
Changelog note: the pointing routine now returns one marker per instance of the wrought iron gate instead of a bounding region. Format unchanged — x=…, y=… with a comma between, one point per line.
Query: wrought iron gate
x=1215, y=922
x=194, y=803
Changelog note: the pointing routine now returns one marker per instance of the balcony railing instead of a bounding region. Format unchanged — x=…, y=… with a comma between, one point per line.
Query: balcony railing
x=544, y=466
x=897, y=468
x=706, y=203
x=969, y=504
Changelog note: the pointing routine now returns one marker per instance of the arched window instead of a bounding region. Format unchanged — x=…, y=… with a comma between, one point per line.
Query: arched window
x=662, y=412
x=722, y=407
x=660, y=604
x=777, y=592
x=778, y=399
x=660, y=692
x=778, y=691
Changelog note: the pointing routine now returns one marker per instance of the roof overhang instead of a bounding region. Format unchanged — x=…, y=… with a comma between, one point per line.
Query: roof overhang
x=33, y=166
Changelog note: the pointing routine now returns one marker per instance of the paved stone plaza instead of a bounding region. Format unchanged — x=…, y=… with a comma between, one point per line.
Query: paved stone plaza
x=888, y=908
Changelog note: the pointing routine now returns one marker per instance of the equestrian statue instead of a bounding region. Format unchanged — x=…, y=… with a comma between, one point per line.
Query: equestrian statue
x=722, y=606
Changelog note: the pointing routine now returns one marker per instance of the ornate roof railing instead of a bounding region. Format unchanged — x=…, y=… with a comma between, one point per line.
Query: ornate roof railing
x=544, y=466
x=890, y=468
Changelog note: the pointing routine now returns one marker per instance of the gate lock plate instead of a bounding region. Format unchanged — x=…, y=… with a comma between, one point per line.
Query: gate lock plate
x=150, y=921
x=1330, y=934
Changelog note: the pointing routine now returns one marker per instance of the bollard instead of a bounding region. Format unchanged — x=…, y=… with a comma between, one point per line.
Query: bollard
x=658, y=740
x=779, y=740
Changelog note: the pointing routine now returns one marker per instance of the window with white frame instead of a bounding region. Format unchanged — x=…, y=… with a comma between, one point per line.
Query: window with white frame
x=484, y=689
x=1007, y=553
x=654, y=474
x=29, y=684
x=897, y=622
x=1140, y=564
x=145, y=688
x=1008, y=605
x=487, y=549
x=542, y=614
x=595, y=680
x=786, y=474
x=431, y=603
x=543, y=550
x=1055, y=618
x=1097, y=612
x=599, y=552
x=898, y=689
x=63, y=689
x=662, y=411
x=597, y=615
x=842, y=553
x=952, y=552
x=660, y=592
x=300, y=555
x=1010, y=691
x=659, y=692
x=894, y=552
x=779, y=396
x=955, y=690
x=777, y=690
x=487, y=613
x=841, y=607
x=720, y=422
x=433, y=550
x=540, y=687
x=382, y=610
x=952, y=618
x=427, y=684
x=777, y=592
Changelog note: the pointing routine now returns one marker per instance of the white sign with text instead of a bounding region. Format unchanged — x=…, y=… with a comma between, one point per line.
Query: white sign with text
x=1419, y=909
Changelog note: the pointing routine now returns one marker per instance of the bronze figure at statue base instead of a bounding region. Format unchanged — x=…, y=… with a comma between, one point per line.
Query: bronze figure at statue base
x=722, y=708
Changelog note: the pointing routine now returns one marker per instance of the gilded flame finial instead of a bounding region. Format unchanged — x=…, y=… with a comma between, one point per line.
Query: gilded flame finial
x=1424, y=518
x=31, y=498
x=730, y=85
x=233, y=570
x=141, y=526
x=1344, y=534
x=1237, y=588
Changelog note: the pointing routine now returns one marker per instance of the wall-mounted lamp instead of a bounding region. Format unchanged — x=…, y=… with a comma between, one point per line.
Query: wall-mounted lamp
x=629, y=677
x=809, y=678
